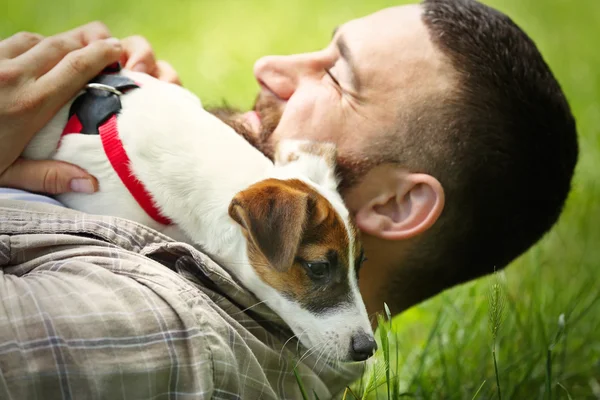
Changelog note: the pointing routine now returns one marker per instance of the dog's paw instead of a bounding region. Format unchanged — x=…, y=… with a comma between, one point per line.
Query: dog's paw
x=291, y=150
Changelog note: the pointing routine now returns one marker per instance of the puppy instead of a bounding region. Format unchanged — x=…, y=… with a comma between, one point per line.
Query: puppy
x=280, y=228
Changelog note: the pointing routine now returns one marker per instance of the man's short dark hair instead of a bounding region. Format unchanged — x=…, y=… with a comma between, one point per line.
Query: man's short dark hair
x=503, y=146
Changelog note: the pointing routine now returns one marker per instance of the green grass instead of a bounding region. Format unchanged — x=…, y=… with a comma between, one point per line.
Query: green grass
x=444, y=347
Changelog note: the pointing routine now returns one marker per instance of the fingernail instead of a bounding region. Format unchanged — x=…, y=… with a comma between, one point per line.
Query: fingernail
x=113, y=41
x=82, y=185
x=139, y=67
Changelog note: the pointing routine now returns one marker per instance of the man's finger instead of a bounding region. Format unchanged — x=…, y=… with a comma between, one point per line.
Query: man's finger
x=18, y=44
x=138, y=55
x=91, y=32
x=50, y=51
x=47, y=176
x=77, y=68
x=165, y=72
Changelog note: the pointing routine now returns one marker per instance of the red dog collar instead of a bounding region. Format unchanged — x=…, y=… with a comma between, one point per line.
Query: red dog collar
x=95, y=113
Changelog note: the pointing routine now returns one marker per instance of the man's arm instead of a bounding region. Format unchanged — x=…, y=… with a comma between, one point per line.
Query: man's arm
x=82, y=317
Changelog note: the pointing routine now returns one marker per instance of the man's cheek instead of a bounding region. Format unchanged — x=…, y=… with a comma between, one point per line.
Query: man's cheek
x=305, y=121
x=293, y=125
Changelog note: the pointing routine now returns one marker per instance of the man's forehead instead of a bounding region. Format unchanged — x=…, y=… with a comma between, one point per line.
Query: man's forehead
x=390, y=47
x=393, y=49
x=388, y=19
x=398, y=63
x=388, y=38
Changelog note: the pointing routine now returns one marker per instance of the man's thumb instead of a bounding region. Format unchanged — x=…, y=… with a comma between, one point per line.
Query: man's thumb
x=47, y=176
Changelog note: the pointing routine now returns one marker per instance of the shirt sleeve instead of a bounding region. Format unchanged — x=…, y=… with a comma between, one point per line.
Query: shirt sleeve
x=21, y=195
x=94, y=322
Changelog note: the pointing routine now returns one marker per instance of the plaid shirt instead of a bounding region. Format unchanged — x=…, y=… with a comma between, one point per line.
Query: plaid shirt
x=103, y=308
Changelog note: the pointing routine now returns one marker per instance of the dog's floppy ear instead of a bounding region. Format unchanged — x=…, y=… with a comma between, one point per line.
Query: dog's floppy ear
x=273, y=216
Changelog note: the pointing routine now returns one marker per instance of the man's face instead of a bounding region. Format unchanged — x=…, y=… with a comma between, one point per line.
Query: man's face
x=357, y=89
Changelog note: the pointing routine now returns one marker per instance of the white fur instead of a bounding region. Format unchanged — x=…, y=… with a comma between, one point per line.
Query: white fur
x=193, y=165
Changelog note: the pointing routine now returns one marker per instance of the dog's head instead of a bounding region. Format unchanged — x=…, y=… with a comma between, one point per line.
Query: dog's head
x=305, y=252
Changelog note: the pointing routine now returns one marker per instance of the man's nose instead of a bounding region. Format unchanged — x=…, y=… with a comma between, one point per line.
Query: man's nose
x=282, y=74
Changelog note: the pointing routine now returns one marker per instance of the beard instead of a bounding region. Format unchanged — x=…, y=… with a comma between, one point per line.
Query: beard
x=350, y=169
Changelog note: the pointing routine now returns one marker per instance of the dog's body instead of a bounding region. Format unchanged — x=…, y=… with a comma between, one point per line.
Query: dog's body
x=222, y=163
x=226, y=197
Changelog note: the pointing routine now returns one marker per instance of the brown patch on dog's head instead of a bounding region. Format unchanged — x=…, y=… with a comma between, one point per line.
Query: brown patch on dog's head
x=291, y=157
x=297, y=242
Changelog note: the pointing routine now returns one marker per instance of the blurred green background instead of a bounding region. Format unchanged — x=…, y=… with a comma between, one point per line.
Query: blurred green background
x=442, y=348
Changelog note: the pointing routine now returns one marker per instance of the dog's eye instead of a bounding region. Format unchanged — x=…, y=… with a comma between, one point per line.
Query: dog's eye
x=362, y=257
x=359, y=262
x=317, y=269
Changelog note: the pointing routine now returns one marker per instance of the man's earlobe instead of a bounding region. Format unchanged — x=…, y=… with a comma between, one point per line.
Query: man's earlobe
x=404, y=211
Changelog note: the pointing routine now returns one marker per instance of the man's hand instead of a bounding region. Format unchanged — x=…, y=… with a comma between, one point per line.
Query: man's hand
x=37, y=77
x=138, y=56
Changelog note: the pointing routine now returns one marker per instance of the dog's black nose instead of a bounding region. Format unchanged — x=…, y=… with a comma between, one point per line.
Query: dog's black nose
x=363, y=346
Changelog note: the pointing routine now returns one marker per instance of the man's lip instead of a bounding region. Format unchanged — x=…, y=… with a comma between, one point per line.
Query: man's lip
x=253, y=120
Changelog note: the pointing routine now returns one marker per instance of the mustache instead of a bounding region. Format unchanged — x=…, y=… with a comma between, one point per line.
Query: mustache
x=269, y=111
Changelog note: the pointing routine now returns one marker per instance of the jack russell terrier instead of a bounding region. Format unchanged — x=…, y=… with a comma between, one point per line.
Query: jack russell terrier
x=280, y=228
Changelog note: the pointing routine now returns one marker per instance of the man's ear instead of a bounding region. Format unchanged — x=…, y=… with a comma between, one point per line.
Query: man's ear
x=273, y=216
x=405, y=209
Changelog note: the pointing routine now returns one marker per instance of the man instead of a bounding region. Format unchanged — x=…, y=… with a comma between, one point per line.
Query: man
x=457, y=146
x=457, y=149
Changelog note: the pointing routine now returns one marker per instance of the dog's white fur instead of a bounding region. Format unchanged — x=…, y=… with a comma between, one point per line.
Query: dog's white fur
x=193, y=165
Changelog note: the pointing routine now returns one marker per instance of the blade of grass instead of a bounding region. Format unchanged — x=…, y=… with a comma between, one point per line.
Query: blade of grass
x=496, y=373
x=425, y=350
x=385, y=348
x=361, y=386
x=565, y=389
x=478, y=390
x=443, y=364
x=349, y=390
x=496, y=313
x=525, y=331
x=300, y=385
x=563, y=358
x=533, y=362
x=373, y=378
x=585, y=310
x=557, y=338
x=397, y=376
x=548, y=382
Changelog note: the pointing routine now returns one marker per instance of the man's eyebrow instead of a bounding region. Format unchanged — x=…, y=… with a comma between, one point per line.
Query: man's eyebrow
x=345, y=53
